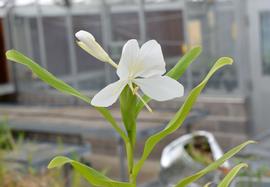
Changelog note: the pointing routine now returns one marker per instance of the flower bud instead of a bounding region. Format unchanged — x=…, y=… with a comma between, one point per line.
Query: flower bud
x=88, y=43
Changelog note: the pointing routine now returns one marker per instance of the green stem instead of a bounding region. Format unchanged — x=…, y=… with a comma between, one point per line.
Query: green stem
x=130, y=153
x=128, y=103
x=130, y=158
x=132, y=179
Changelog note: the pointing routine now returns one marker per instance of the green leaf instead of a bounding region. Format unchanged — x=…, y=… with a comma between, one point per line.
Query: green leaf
x=190, y=179
x=231, y=175
x=51, y=80
x=176, y=72
x=92, y=176
x=44, y=75
x=180, y=116
x=179, y=69
x=127, y=104
x=207, y=184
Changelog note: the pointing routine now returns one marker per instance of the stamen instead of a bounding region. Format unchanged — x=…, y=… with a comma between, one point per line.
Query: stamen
x=146, y=105
x=131, y=87
x=135, y=92
x=136, y=89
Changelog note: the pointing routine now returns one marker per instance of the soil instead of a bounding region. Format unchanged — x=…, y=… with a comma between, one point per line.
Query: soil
x=200, y=150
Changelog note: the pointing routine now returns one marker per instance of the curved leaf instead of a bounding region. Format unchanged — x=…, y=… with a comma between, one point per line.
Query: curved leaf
x=179, y=69
x=60, y=85
x=180, y=116
x=44, y=75
x=176, y=72
x=188, y=180
x=207, y=184
x=231, y=175
x=92, y=176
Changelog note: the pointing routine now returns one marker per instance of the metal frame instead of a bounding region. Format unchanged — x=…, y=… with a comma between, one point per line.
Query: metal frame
x=103, y=10
x=242, y=48
x=11, y=86
x=106, y=36
x=71, y=47
x=259, y=82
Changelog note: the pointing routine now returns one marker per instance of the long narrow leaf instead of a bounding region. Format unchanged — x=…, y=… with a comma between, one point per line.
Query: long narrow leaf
x=92, y=176
x=180, y=116
x=60, y=85
x=44, y=75
x=231, y=175
x=179, y=69
x=208, y=184
x=188, y=180
x=176, y=72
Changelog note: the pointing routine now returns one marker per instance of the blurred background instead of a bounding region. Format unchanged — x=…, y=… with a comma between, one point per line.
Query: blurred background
x=234, y=106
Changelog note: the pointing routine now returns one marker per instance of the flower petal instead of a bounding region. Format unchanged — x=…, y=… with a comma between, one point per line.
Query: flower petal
x=160, y=88
x=129, y=58
x=108, y=95
x=88, y=43
x=152, y=59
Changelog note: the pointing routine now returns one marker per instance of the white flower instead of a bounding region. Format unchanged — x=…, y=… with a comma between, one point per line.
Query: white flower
x=143, y=67
x=88, y=43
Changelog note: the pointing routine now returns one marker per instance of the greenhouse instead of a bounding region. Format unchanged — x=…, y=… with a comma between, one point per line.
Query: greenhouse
x=234, y=106
x=221, y=27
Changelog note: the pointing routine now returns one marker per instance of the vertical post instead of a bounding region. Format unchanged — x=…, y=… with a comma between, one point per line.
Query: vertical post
x=106, y=36
x=243, y=69
x=71, y=44
x=41, y=37
x=142, y=24
x=122, y=159
x=7, y=29
x=106, y=40
x=12, y=35
x=8, y=36
x=187, y=42
x=242, y=59
x=28, y=37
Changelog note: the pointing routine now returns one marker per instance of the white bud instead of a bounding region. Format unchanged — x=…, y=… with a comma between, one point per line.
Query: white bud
x=88, y=43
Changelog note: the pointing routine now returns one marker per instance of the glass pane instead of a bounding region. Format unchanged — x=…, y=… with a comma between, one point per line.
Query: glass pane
x=2, y=3
x=30, y=2
x=167, y=28
x=124, y=25
x=265, y=42
x=213, y=29
x=56, y=45
x=120, y=2
x=91, y=23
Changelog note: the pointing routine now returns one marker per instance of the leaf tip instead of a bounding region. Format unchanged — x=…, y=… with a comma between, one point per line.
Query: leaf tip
x=228, y=60
x=245, y=165
x=58, y=162
x=197, y=47
x=252, y=142
x=9, y=52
